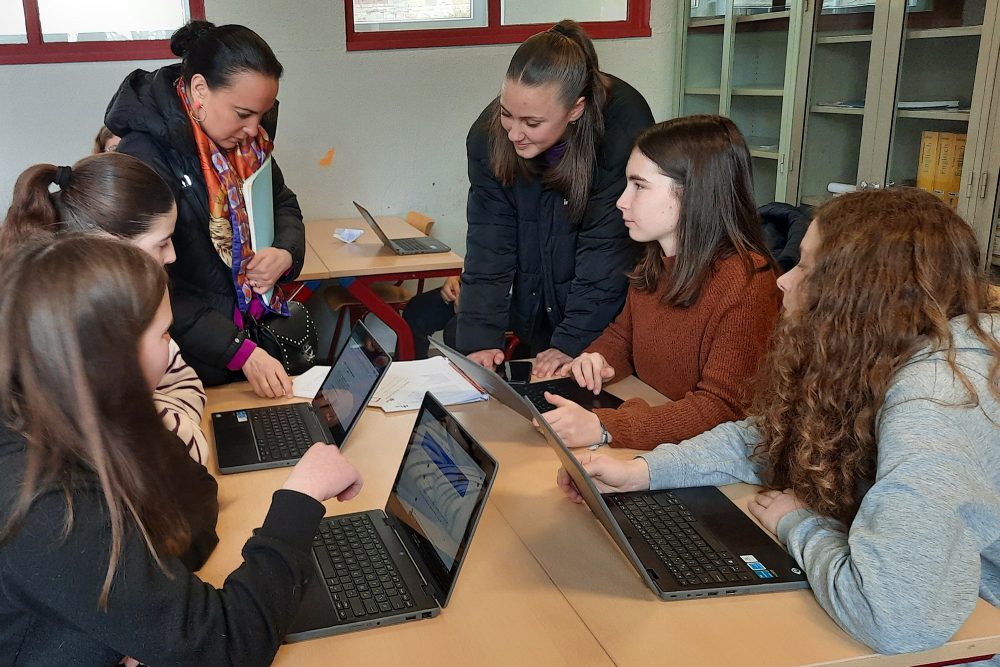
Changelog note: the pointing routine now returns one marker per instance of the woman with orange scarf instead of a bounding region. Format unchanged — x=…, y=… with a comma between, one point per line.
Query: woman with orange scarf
x=205, y=125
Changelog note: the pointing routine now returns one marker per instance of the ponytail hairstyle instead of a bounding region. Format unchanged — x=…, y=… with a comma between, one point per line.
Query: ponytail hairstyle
x=219, y=52
x=563, y=55
x=75, y=390
x=112, y=192
x=708, y=160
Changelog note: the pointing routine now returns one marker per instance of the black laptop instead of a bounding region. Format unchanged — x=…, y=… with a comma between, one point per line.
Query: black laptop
x=685, y=543
x=532, y=391
x=383, y=567
x=279, y=435
x=416, y=245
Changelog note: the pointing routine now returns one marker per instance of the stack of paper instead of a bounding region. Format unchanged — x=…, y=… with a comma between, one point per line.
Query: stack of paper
x=405, y=382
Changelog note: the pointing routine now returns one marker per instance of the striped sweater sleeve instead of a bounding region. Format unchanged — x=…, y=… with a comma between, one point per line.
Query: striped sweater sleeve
x=180, y=401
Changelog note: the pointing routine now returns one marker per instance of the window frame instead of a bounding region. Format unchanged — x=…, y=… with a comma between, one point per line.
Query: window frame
x=38, y=51
x=635, y=25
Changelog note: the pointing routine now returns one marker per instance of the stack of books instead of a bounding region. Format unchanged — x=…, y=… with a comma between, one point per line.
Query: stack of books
x=940, y=168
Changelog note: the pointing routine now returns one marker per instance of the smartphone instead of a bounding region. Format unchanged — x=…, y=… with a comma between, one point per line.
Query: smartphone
x=517, y=372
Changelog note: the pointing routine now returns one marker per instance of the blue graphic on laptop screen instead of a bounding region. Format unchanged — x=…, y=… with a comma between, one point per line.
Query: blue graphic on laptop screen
x=438, y=488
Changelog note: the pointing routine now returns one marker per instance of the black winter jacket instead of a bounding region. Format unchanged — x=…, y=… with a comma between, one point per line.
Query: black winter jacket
x=568, y=279
x=147, y=115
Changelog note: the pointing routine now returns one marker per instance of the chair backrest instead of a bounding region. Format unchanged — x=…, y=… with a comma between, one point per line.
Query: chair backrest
x=420, y=222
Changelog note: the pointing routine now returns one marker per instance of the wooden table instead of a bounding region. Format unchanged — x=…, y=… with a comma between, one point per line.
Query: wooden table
x=544, y=582
x=505, y=609
x=357, y=265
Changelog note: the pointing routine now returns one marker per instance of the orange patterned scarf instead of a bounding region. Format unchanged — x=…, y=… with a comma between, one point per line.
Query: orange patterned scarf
x=229, y=226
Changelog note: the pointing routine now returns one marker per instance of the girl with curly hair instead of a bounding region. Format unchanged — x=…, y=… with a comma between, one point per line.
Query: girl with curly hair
x=875, y=428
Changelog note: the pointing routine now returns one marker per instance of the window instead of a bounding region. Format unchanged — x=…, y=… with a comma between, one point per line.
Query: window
x=50, y=31
x=403, y=24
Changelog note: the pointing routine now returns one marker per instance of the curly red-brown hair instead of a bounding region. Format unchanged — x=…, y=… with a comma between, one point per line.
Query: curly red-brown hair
x=891, y=269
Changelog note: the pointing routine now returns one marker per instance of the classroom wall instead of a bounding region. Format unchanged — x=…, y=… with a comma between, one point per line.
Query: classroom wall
x=396, y=120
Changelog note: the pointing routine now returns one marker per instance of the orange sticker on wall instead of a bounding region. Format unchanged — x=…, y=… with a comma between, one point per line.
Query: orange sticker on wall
x=327, y=159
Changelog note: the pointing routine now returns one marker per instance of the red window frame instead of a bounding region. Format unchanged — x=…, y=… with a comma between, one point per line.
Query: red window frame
x=38, y=51
x=635, y=25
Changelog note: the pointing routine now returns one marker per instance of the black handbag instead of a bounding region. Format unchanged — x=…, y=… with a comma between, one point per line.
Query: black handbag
x=291, y=340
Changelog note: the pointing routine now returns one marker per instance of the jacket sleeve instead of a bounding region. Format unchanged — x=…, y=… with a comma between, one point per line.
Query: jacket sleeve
x=716, y=457
x=734, y=345
x=180, y=401
x=615, y=344
x=491, y=255
x=905, y=576
x=289, y=231
x=165, y=618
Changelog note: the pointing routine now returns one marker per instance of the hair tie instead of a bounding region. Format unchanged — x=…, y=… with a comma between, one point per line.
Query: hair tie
x=561, y=30
x=62, y=177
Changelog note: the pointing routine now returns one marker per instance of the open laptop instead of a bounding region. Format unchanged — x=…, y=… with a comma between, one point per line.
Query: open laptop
x=279, y=435
x=685, y=543
x=416, y=245
x=383, y=567
x=533, y=392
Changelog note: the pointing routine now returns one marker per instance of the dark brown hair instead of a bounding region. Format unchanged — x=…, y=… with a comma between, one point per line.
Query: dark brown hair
x=111, y=192
x=220, y=52
x=893, y=267
x=74, y=387
x=708, y=160
x=564, y=56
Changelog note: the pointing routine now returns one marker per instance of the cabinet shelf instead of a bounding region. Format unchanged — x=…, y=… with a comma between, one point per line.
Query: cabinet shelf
x=829, y=108
x=702, y=91
x=759, y=91
x=767, y=16
x=763, y=147
x=936, y=114
x=844, y=39
x=706, y=23
x=937, y=33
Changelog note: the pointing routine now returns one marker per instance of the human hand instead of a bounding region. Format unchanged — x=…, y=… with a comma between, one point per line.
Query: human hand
x=576, y=426
x=267, y=376
x=323, y=473
x=266, y=266
x=547, y=363
x=591, y=370
x=771, y=506
x=610, y=475
x=488, y=358
x=451, y=290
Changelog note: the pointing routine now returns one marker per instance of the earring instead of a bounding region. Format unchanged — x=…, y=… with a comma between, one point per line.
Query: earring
x=194, y=112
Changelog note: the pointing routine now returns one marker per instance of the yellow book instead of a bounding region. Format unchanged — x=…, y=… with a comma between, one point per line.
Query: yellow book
x=956, y=170
x=928, y=160
x=944, y=166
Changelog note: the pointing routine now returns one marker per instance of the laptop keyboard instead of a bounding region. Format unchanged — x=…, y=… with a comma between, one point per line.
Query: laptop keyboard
x=670, y=530
x=410, y=245
x=362, y=578
x=280, y=433
x=535, y=392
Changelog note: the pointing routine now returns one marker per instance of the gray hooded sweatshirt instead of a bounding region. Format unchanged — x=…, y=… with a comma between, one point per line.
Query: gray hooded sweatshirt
x=932, y=514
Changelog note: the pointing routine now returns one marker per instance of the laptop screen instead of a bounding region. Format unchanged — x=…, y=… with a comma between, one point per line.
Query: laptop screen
x=439, y=493
x=370, y=219
x=351, y=382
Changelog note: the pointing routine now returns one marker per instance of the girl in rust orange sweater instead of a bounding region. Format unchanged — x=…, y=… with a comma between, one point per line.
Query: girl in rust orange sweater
x=702, y=301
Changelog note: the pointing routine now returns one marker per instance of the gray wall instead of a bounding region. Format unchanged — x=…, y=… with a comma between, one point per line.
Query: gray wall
x=396, y=119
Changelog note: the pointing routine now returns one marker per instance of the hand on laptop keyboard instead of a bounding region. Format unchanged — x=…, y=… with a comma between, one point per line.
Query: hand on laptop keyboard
x=575, y=425
x=323, y=473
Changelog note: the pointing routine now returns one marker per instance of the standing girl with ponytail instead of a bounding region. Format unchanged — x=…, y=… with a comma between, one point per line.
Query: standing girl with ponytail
x=547, y=251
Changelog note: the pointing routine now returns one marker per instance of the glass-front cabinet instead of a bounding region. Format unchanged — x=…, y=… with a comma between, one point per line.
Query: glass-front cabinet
x=734, y=62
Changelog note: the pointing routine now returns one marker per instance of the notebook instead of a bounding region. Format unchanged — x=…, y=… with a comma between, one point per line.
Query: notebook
x=279, y=435
x=685, y=543
x=533, y=392
x=400, y=564
x=258, y=195
x=417, y=245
